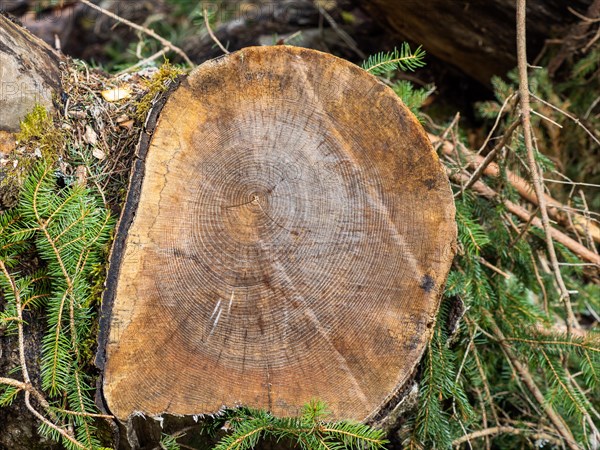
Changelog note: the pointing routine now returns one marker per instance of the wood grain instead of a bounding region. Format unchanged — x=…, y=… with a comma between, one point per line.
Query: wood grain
x=287, y=236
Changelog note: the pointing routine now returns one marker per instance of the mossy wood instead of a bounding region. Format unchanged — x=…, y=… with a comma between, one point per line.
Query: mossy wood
x=287, y=235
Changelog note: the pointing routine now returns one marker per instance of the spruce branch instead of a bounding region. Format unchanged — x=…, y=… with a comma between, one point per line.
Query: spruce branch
x=308, y=430
x=26, y=385
x=561, y=343
x=403, y=59
x=528, y=380
x=65, y=434
x=485, y=191
x=69, y=228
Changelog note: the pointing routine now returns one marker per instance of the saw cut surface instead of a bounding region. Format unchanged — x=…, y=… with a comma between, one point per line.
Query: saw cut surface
x=289, y=240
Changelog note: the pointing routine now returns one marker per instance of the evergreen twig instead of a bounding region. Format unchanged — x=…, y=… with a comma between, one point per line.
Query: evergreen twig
x=535, y=391
x=403, y=59
x=27, y=386
x=69, y=228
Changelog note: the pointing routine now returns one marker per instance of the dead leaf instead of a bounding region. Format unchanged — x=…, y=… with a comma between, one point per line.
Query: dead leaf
x=90, y=136
x=77, y=114
x=116, y=94
x=98, y=154
x=81, y=175
x=128, y=124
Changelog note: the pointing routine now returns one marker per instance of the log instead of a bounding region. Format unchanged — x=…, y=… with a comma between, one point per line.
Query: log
x=287, y=235
x=29, y=74
x=477, y=36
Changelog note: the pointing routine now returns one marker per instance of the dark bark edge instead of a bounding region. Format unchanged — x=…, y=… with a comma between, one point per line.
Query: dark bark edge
x=128, y=213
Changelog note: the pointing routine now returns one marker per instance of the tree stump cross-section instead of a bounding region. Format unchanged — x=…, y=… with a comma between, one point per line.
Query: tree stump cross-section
x=286, y=237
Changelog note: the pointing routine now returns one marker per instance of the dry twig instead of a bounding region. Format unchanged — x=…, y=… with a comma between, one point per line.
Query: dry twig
x=341, y=33
x=490, y=157
x=486, y=191
x=554, y=207
x=497, y=121
x=533, y=165
x=568, y=116
x=141, y=28
x=504, y=430
x=145, y=61
x=210, y=31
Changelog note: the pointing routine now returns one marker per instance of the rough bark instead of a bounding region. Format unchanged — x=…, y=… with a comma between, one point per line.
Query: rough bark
x=477, y=36
x=287, y=235
x=29, y=74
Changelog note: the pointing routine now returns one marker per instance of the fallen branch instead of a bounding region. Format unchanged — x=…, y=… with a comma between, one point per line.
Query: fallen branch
x=486, y=191
x=554, y=207
x=504, y=430
x=559, y=330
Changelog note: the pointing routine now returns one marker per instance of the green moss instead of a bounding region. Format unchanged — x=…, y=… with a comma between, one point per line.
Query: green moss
x=38, y=129
x=37, y=138
x=34, y=124
x=156, y=85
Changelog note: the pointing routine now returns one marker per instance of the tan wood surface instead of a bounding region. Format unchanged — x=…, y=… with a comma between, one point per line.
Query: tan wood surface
x=288, y=238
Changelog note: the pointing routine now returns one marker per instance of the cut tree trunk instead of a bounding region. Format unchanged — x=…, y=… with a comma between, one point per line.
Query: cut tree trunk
x=287, y=236
x=476, y=36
